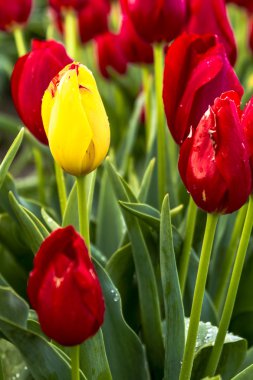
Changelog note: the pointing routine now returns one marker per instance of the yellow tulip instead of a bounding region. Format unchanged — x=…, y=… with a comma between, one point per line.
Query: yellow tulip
x=75, y=120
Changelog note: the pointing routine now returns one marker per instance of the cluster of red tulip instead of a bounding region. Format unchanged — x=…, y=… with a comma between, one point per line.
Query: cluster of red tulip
x=202, y=99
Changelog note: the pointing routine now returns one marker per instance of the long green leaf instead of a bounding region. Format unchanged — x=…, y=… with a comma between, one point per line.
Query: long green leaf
x=246, y=374
x=174, y=310
x=149, y=301
x=10, y=155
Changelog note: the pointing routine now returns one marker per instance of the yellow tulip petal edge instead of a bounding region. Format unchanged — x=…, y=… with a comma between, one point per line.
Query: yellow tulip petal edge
x=75, y=120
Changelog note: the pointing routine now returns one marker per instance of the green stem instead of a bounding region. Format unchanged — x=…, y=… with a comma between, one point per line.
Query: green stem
x=185, y=258
x=83, y=210
x=40, y=172
x=60, y=181
x=229, y=259
x=75, y=363
x=232, y=291
x=198, y=296
x=161, y=139
x=146, y=83
x=19, y=41
x=70, y=32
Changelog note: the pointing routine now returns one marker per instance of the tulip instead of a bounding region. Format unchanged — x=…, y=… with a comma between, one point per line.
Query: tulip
x=61, y=5
x=196, y=72
x=110, y=54
x=247, y=122
x=30, y=78
x=14, y=12
x=75, y=120
x=156, y=20
x=216, y=23
x=64, y=289
x=135, y=49
x=214, y=160
x=251, y=33
x=93, y=19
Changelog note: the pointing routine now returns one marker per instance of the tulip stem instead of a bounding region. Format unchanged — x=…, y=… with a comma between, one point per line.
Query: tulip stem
x=19, y=41
x=146, y=82
x=161, y=138
x=71, y=32
x=198, y=296
x=83, y=210
x=75, y=363
x=229, y=260
x=232, y=291
x=61, y=187
x=185, y=258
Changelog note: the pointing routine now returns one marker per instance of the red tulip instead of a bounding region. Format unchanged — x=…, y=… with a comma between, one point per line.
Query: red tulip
x=247, y=122
x=14, y=12
x=210, y=16
x=30, y=78
x=136, y=50
x=64, y=289
x=110, y=54
x=196, y=72
x=214, y=160
x=93, y=19
x=156, y=20
x=251, y=33
x=59, y=5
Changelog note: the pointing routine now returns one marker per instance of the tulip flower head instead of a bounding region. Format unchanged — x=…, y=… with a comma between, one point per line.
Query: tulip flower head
x=75, y=120
x=30, y=78
x=14, y=12
x=64, y=289
x=197, y=71
x=59, y=5
x=214, y=159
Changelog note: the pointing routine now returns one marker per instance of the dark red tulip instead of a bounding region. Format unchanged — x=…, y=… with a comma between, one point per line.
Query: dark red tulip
x=64, y=289
x=210, y=16
x=110, y=54
x=30, y=78
x=251, y=33
x=156, y=20
x=196, y=72
x=61, y=5
x=214, y=160
x=247, y=122
x=14, y=12
x=93, y=19
x=136, y=50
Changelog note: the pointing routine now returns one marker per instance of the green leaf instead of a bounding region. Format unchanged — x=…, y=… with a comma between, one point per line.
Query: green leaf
x=10, y=155
x=246, y=374
x=148, y=293
x=32, y=234
x=124, y=349
x=70, y=216
x=129, y=140
x=174, y=311
x=146, y=181
x=233, y=353
x=108, y=209
x=13, y=307
x=148, y=214
x=51, y=223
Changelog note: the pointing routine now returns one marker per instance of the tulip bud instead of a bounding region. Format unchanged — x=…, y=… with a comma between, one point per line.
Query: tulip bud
x=216, y=23
x=135, y=49
x=93, y=19
x=110, y=54
x=30, y=78
x=14, y=12
x=64, y=289
x=60, y=5
x=156, y=20
x=214, y=160
x=75, y=120
x=196, y=72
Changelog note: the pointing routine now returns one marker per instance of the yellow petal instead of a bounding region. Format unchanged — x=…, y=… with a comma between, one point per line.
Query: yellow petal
x=69, y=131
